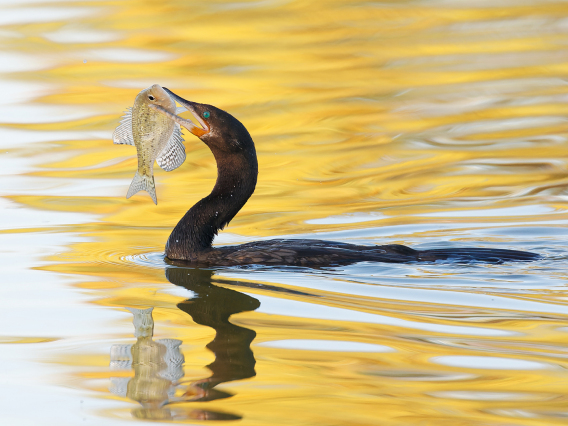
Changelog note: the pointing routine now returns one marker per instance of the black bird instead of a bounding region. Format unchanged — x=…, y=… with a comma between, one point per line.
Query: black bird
x=237, y=171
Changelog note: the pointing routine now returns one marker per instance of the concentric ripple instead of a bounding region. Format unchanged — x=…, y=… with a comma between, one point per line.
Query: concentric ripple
x=150, y=260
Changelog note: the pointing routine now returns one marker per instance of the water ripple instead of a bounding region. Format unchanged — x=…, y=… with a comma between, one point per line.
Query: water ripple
x=150, y=260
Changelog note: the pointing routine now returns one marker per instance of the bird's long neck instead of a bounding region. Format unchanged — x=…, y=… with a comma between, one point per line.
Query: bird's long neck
x=236, y=180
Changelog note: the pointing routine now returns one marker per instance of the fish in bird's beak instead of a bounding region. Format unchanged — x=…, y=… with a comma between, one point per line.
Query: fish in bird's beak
x=156, y=138
x=192, y=107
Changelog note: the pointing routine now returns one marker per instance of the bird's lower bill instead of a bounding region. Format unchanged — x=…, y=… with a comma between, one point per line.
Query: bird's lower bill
x=188, y=124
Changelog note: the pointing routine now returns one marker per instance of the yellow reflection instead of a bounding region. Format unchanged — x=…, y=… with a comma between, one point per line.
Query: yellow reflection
x=414, y=110
x=331, y=104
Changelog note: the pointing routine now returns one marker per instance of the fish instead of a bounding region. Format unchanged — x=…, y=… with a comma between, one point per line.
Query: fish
x=155, y=136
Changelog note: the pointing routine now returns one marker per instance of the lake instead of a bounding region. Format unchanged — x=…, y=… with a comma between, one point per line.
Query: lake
x=433, y=124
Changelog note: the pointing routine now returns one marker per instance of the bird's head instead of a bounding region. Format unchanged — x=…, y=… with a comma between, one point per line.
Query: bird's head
x=217, y=128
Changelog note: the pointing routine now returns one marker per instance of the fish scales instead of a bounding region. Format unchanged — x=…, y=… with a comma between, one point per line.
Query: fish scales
x=156, y=138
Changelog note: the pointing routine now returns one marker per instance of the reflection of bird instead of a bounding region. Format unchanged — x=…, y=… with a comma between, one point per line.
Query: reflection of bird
x=158, y=364
x=237, y=167
x=212, y=306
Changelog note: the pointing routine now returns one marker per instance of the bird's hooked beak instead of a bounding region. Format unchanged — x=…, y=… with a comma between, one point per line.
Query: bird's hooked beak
x=188, y=124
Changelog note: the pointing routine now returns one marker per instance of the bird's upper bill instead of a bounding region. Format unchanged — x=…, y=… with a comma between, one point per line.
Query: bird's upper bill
x=188, y=124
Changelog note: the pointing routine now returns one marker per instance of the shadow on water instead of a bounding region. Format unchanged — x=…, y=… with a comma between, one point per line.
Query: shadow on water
x=158, y=364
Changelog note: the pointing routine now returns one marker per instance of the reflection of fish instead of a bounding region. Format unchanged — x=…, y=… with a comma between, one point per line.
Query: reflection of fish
x=156, y=137
x=157, y=365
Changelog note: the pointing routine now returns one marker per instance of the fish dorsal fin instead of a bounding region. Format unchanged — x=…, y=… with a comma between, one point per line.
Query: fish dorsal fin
x=123, y=133
x=173, y=154
x=179, y=110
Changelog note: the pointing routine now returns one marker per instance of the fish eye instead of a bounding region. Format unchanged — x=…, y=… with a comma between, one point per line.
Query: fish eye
x=151, y=97
x=206, y=114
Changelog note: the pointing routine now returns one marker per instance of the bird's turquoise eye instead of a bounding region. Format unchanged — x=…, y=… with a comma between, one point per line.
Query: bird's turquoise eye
x=206, y=114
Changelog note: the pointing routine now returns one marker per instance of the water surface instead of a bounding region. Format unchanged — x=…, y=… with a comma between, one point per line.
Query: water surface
x=436, y=123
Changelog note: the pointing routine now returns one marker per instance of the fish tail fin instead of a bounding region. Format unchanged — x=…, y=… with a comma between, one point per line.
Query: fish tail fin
x=142, y=182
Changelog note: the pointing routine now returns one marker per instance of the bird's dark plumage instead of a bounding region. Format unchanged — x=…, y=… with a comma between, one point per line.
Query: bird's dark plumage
x=237, y=170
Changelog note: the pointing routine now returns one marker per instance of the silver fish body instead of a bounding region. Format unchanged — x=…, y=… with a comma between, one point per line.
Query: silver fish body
x=156, y=138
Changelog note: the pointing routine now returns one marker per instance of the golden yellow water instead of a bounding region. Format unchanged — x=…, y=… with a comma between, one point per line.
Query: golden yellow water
x=427, y=123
